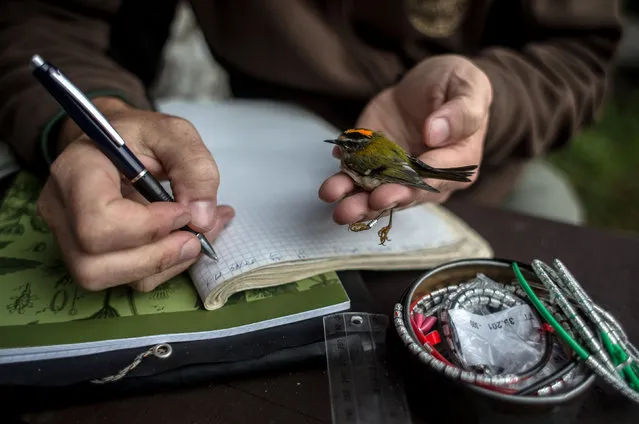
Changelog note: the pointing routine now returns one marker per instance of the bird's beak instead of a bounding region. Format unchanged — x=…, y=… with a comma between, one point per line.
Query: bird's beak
x=330, y=141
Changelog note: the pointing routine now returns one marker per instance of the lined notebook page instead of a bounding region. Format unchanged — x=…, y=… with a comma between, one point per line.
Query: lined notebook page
x=272, y=161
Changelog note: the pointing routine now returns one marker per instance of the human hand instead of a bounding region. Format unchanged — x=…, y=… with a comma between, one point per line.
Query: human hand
x=438, y=112
x=110, y=235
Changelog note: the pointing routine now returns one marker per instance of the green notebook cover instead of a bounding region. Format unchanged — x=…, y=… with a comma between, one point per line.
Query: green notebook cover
x=44, y=313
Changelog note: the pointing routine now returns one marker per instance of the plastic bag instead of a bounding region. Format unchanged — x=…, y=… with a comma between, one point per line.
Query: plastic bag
x=493, y=331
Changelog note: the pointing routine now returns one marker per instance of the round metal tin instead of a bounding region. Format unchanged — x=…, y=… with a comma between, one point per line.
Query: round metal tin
x=454, y=398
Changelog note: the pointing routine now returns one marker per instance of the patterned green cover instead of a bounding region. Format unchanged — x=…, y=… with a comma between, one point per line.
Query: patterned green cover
x=41, y=304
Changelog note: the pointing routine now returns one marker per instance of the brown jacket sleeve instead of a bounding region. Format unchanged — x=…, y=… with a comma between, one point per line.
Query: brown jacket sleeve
x=74, y=36
x=554, y=85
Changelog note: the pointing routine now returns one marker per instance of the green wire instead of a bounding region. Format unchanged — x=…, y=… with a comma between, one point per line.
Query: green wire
x=631, y=377
x=619, y=356
x=583, y=354
x=615, y=351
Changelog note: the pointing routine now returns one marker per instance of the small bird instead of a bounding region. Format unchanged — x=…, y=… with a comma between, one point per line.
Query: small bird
x=371, y=159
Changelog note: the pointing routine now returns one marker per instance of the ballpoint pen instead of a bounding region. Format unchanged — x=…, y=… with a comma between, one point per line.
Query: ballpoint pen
x=107, y=139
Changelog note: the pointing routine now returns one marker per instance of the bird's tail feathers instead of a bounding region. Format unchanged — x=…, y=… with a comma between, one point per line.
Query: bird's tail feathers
x=450, y=174
x=460, y=173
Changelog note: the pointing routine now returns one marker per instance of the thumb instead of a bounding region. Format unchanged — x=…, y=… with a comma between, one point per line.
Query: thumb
x=191, y=170
x=462, y=115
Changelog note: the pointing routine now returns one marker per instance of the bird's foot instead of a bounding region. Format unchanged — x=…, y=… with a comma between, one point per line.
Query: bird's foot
x=363, y=226
x=383, y=234
x=360, y=226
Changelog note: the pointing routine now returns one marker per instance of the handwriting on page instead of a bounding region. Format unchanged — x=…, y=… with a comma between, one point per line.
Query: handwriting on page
x=256, y=240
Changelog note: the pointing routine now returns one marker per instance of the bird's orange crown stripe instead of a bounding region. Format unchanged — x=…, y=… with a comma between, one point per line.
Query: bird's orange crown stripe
x=367, y=133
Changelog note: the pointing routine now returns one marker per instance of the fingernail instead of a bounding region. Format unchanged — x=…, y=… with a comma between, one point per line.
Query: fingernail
x=439, y=132
x=203, y=214
x=190, y=250
x=226, y=218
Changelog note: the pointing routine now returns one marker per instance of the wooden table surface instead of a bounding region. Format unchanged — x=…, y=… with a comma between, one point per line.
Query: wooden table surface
x=603, y=262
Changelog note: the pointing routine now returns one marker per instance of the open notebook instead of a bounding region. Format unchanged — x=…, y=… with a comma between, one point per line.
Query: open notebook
x=272, y=161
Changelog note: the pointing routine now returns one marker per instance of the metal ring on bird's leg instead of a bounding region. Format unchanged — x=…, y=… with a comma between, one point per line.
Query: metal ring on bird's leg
x=382, y=233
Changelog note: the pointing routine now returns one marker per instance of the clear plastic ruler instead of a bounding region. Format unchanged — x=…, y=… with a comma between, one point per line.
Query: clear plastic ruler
x=363, y=388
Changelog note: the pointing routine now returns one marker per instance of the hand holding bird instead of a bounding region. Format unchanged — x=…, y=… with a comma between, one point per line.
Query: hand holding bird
x=438, y=114
x=372, y=159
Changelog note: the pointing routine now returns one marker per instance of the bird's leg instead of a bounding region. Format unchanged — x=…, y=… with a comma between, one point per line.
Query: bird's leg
x=383, y=232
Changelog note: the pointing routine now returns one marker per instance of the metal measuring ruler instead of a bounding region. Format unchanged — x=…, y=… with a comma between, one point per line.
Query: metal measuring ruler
x=363, y=388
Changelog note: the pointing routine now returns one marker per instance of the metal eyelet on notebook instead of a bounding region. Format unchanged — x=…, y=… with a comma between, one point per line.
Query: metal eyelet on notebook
x=162, y=351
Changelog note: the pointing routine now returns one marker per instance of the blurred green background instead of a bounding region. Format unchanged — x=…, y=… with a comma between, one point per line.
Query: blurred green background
x=602, y=162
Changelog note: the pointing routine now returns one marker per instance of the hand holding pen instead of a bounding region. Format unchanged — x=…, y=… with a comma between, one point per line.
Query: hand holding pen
x=112, y=233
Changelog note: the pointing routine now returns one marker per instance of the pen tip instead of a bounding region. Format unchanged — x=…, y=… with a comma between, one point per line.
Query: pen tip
x=207, y=249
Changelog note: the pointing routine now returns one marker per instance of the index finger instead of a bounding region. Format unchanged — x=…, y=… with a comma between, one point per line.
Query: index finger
x=194, y=175
x=336, y=187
